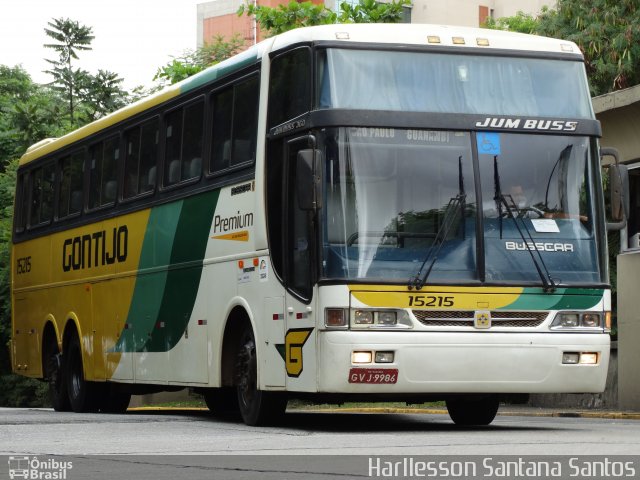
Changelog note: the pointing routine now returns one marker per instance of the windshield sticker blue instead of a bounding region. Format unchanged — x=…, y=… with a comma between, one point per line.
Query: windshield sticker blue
x=488, y=143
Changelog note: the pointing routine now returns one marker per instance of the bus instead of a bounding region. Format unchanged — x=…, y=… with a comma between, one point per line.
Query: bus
x=400, y=213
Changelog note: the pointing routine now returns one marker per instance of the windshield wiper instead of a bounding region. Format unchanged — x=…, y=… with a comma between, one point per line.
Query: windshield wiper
x=514, y=212
x=455, y=204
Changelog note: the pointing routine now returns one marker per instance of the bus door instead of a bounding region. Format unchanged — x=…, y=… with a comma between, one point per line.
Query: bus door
x=300, y=258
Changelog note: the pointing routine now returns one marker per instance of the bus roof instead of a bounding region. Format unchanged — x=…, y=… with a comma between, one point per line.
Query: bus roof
x=405, y=34
x=427, y=35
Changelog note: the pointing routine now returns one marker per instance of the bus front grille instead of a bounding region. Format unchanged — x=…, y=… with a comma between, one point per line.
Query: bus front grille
x=464, y=318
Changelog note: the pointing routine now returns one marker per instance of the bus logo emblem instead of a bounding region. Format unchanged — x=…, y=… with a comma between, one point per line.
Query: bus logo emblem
x=482, y=319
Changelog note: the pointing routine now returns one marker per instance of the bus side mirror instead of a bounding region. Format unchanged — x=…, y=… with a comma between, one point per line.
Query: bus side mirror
x=308, y=179
x=619, y=190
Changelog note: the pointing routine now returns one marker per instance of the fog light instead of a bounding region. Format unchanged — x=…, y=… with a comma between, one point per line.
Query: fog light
x=588, y=358
x=387, y=318
x=384, y=357
x=570, y=358
x=335, y=317
x=363, y=317
x=569, y=319
x=361, y=357
x=591, y=320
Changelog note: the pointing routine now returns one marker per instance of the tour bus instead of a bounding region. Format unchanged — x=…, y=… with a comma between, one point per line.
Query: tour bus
x=346, y=212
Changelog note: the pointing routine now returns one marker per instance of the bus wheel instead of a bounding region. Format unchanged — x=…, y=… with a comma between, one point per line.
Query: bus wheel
x=54, y=374
x=82, y=394
x=222, y=401
x=473, y=410
x=257, y=407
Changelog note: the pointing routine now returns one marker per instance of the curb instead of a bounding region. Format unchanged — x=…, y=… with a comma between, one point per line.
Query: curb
x=431, y=411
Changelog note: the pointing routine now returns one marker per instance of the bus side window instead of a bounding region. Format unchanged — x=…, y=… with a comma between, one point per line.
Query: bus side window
x=103, y=165
x=21, y=203
x=72, y=169
x=235, y=122
x=141, y=153
x=183, y=148
x=221, y=145
x=42, y=189
x=289, y=86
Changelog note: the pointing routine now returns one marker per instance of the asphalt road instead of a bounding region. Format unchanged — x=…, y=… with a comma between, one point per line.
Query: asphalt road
x=338, y=444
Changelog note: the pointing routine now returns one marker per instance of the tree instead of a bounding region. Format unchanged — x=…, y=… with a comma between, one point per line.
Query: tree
x=102, y=94
x=605, y=30
x=70, y=38
x=286, y=17
x=194, y=61
x=520, y=22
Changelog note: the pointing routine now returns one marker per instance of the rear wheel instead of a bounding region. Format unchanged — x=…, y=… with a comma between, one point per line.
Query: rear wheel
x=82, y=394
x=467, y=411
x=54, y=374
x=257, y=407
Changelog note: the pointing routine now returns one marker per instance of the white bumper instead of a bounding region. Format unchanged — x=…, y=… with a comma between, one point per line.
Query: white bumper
x=475, y=362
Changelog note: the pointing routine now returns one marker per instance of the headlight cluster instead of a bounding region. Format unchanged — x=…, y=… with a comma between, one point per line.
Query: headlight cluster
x=360, y=318
x=577, y=320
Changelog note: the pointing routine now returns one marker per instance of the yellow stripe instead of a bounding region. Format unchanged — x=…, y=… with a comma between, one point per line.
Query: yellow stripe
x=436, y=297
x=101, y=124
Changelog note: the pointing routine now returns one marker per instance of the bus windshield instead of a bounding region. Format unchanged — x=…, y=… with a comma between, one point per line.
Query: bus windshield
x=395, y=198
x=452, y=83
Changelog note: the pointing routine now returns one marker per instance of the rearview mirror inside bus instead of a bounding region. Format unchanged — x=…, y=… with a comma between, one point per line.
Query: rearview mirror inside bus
x=308, y=188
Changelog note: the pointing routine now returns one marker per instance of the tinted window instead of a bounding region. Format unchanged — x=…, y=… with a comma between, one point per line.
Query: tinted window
x=289, y=86
x=103, y=164
x=183, y=149
x=42, y=187
x=140, y=161
x=235, y=121
x=70, y=200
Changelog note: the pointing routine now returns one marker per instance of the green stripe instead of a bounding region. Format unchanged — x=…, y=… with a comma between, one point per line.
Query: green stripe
x=170, y=268
x=182, y=284
x=224, y=68
x=561, y=299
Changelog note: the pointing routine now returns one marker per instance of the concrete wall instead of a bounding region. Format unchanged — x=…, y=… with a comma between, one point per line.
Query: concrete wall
x=629, y=329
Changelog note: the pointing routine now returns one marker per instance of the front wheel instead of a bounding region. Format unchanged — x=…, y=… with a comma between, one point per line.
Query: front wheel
x=257, y=407
x=467, y=411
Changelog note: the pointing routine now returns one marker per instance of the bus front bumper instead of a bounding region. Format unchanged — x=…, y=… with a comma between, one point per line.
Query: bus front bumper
x=473, y=362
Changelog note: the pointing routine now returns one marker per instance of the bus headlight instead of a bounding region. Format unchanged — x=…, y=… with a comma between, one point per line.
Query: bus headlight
x=577, y=320
x=372, y=319
x=363, y=317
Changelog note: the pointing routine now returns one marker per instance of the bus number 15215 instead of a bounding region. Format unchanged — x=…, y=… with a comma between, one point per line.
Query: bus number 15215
x=430, y=301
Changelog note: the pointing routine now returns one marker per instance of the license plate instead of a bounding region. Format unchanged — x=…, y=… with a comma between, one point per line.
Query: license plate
x=373, y=375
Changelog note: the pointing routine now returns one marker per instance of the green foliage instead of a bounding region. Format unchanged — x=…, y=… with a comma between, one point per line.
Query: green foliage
x=371, y=11
x=520, y=22
x=286, y=17
x=194, y=61
x=608, y=34
x=605, y=30
x=69, y=37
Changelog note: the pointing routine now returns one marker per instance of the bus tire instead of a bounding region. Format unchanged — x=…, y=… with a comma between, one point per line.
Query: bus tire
x=257, y=407
x=472, y=410
x=52, y=361
x=222, y=401
x=82, y=394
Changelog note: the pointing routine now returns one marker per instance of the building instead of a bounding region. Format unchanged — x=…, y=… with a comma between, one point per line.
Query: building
x=219, y=17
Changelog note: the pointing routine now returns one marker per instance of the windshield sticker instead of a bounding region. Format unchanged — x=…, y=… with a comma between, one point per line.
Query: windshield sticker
x=488, y=143
x=545, y=225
